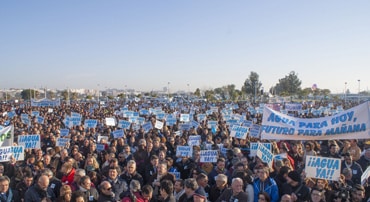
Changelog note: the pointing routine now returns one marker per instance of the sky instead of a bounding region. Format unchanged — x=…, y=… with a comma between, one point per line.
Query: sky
x=183, y=44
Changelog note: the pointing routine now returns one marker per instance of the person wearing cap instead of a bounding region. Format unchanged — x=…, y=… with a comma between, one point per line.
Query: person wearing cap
x=357, y=193
x=354, y=166
x=295, y=188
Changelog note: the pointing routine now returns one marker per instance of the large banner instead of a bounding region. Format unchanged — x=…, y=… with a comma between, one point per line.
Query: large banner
x=353, y=123
x=7, y=136
x=6, y=153
x=45, y=103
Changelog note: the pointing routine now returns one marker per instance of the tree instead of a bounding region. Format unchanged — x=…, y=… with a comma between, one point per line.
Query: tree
x=64, y=94
x=74, y=96
x=121, y=95
x=289, y=85
x=28, y=93
x=209, y=94
x=252, y=85
x=88, y=97
x=197, y=92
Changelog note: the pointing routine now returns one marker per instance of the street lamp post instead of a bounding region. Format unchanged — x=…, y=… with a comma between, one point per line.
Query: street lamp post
x=345, y=93
x=359, y=90
x=168, y=90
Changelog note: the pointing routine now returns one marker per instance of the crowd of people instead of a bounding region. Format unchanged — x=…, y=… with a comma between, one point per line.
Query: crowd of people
x=142, y=165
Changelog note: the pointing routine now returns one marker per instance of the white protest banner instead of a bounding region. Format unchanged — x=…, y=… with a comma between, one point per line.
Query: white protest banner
x=365, y=175
x=185, y=117
x=158, y=124
x=265, y=154
x=239, y=132
x=100, y=138
x=323, y=168
x=62, y=142
x=64, y=132
x=194, y=140
x=7, y=136
x=184, y=151
x=29, y=141
x=110, y=121
x=123, y=124
x=353, y=123
x=91, y=123
x=118, y=134
x=6, y=153
x=208, y=156
x=50, y=110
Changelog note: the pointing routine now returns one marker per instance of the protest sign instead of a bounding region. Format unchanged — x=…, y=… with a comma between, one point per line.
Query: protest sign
x=75, y=114
x=239, y=132
x=185, y=126
x=40, y=119
x=100, y=147
x=91, y=123
x=50, y=110
x=194, y=140
x=293, y=106
x=158, y=124
x=212, y=124
x=123, y=124
x=208, y=156
x=194, y=124
x=35, y=113
x=323, y=168
x=265, y=154
x=147, y=126
x=118, y=133
x=171, y=121
x=185, y=117
x=353, y=123
x=255, y=131
x=62, y=142
x=110, y=121
x=6, y=153
x=365, y=175
x=29, y=141
x=184, y=151
x=144, y=112
x=201, y=117
x=7, y=136
x=176, y=174
x=160, y=116
x=64, y=132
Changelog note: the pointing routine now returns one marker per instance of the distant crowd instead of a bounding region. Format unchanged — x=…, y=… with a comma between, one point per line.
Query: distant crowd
x=143, y=164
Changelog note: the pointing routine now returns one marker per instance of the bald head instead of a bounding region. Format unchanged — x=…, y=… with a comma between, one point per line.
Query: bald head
x=43, y=182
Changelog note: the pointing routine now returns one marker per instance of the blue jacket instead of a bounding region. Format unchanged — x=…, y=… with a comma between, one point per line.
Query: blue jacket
x=269, y=186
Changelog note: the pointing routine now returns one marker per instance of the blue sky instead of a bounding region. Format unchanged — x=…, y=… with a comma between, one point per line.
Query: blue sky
x=206, y=44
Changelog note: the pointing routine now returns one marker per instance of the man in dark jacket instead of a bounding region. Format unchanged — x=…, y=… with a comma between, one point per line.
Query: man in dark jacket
x=106, y=193
x=39, y=191
x=24, y=185
x=294, y=187
x=235, y=193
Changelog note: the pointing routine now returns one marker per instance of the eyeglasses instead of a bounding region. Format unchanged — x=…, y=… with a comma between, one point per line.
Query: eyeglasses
x=108, y=189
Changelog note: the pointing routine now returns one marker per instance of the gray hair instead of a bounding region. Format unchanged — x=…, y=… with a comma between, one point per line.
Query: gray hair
x=135, y=186
x=80, y=172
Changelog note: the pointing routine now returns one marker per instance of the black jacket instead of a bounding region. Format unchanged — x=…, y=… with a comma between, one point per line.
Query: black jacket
x=35, y=194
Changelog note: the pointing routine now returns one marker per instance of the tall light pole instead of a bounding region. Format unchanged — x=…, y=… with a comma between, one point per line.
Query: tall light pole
x=345, y=93
x=98, y=94
x=359, y=90
x=68, y=101
x=168, y=90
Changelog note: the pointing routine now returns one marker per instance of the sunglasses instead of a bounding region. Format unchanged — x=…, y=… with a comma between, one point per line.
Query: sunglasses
x=109, y=188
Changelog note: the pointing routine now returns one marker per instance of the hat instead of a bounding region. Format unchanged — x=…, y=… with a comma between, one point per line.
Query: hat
x=294, y=175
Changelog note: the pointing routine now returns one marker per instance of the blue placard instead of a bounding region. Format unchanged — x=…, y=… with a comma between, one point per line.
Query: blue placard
x=118, y=133
x=170, y=121
x=64, y=132
x=91, y=123
x=100, y=147
x=35, y=113
x=40, y=119
x=124, y=124
x=147, y=126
